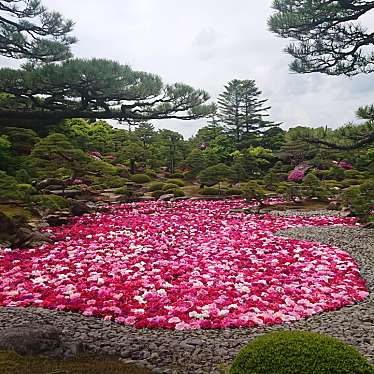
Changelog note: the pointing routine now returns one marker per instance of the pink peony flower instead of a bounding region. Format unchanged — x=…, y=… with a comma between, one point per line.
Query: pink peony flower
x=185, y=265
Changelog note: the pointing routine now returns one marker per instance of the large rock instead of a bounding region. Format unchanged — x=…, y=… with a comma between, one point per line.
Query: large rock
x=166, y=197
x=58, y=219
x=16, y=233
x=79, y=208
x=54, y=187
x=49, y=182
x=180, y=198
x=39, y=340
x=65, y=193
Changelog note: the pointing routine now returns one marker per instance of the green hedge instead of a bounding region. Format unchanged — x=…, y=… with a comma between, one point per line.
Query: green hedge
x=299, y=352
x=157, y=194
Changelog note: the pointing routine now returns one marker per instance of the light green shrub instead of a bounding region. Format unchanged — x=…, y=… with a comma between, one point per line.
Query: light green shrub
x=299, y=352
x=140, y=178
x=154, y=186
x=206, y=191
x=169, y=186
x=178, y=182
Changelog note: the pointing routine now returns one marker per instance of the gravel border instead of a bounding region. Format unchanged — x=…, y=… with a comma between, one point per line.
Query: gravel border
x=211, y=351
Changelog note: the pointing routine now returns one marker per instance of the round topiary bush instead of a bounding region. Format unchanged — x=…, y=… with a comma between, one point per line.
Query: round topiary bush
x=123, y=191
x=179, y=193
x=206, y=191
x=51, y=202
x=178, y=182
x=291, y=352
x=157, y=194
x=177, y=175
x=169, y=186
x=140, y=178
x=155, y=186
x=233, y=192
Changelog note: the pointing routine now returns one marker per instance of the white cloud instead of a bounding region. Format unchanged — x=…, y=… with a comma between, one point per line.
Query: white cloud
x=206, y=44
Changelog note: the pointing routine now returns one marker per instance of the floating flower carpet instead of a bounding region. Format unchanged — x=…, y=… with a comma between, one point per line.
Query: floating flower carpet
x=183, y=265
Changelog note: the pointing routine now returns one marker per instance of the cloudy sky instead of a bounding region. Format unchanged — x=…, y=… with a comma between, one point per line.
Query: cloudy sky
x=206, y=44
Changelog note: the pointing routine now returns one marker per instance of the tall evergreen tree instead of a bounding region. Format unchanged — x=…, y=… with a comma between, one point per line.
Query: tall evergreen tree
x=28, y=30
x=243, y=112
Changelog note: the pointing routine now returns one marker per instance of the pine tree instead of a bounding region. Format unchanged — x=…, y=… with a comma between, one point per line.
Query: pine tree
x=242, y=111
x=96, y=88
x=28, y=30
x=328, y=38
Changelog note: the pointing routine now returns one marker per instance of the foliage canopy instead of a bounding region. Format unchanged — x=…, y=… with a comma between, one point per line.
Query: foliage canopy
x=329, y=39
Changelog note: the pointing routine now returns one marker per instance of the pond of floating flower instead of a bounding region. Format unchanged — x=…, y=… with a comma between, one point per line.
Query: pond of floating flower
x=184, y=265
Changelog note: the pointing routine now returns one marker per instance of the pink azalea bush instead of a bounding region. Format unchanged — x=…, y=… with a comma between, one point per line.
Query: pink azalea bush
x=96, y=155
x=296, y=175
x=184, y=265
x=345, y=165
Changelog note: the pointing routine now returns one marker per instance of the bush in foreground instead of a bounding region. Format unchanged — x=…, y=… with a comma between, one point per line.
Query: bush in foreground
x=299, y=352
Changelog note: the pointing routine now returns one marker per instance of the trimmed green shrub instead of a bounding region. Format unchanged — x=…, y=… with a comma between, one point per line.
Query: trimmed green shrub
x=233, y=192
x=23, y=176
x=291, y=352
x=26, y=190
x=151, y=173
x=123, y=191
x=254, y=191
x=140, y=178
x=171, y=191
x=158, y=193
x=178, y=182
x=177, y=175
x=282, y=177
x=360, y=200
x=353, y=174
x=98, y=187
x=169, y=186
x=332, y=184
x=209, y=191
x=77, y=187
x=336, y=173
x=51, y=202
x=312, y=187
x=8, y=187
x=350, y=182
x=290, y=190
x=112, y=181
x=179, y=193
x=154, y=186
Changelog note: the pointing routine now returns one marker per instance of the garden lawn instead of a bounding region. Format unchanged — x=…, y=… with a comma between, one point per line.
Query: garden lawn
x=183, y=265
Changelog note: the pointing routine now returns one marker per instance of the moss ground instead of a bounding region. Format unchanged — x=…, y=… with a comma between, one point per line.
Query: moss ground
x=12, y=210
x=12, y=363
